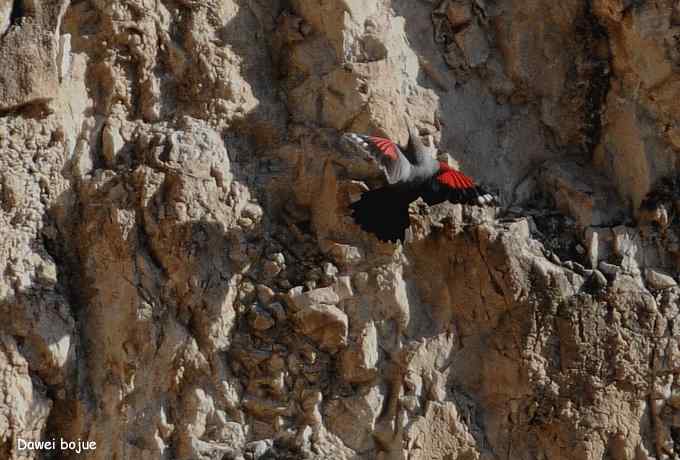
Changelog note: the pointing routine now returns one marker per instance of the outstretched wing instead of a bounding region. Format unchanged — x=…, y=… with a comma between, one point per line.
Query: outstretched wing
x=451, y=185
x=384, y=211
x=392, y=161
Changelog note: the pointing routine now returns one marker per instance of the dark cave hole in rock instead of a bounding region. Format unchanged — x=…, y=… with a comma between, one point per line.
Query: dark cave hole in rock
x=17, y=13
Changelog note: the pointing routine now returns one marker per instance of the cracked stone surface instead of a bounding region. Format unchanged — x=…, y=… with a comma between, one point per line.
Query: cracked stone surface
x=181, y=278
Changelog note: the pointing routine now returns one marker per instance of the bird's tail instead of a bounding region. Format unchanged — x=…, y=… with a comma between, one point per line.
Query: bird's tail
x=481, y=197
x=383, y=212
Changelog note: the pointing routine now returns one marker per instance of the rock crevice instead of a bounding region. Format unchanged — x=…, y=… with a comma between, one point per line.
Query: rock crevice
x=181, y=278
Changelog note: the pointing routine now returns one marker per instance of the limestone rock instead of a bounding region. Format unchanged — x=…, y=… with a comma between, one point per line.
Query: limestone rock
x=22, y=402
x=343, y=288
x=581, y=194
x=325, y=324
x=345, y=255
x=302, y=300
x=453, y=437
x=64, y=59
x=181, y=276
x=112, y=142
x=656, y=279
x=353, y=419
x=13, y=191
x=358, y=362
x=194, y=150
x=5, y=15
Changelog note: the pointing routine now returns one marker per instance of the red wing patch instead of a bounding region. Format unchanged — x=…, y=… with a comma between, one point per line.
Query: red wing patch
x=455, y=179
x=385, y=146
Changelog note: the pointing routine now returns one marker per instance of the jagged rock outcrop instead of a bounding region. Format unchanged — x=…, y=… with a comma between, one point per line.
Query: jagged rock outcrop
x=181, y=278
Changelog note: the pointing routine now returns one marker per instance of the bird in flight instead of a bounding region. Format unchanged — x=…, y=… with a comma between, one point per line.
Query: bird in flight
x=417, y=173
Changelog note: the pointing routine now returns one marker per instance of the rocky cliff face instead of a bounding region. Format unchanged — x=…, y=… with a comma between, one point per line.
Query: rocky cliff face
x=181, y=279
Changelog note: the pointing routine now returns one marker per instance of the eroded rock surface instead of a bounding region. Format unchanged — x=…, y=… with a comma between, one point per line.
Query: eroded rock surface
x=181, y=278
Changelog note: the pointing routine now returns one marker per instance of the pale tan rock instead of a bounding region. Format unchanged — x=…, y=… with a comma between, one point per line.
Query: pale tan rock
x=64, y=58
x=343, y=288
x=5, y=15
x=439, y=433
x=302, y=300
x=353, y=419
x=195, y=150
x=25, y=410
x=359, y=360
x=112, y=142
x=585, y=196
x=656, y=279
x=265, y=409
x=13, y=191
x=166, y=167
x=325, y=324
x=30, y=73
x=344, y=254
x=392, y=297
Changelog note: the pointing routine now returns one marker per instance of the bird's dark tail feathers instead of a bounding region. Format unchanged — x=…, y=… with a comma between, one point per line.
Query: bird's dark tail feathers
x=474, y=195
x=383, y=212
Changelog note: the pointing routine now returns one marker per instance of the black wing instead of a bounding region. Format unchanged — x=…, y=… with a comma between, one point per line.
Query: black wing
x=384, y=211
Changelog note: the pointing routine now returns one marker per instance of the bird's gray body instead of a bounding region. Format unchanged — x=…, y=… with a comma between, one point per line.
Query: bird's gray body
x=410, y=172
x=425, y=165
x=384, y=211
